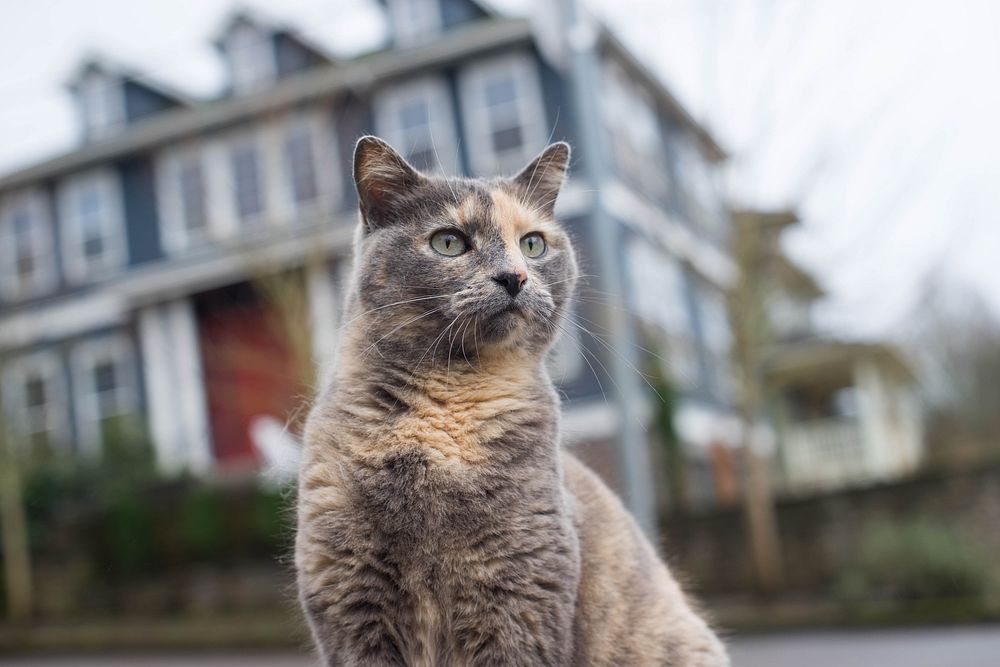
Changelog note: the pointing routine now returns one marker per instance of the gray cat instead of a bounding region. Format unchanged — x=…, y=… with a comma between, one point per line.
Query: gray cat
x=439, y=521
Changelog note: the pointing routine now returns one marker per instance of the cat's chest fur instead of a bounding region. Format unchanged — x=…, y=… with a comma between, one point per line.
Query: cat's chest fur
x=447, y=499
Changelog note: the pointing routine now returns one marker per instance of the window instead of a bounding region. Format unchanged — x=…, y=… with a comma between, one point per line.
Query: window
x=414, y=20
x=183, y=197
x=102, y=104
x=35, y=401
x=664, y=308
x=717, y=338
x=635, y=140
x=300, y=160
x=416, y=118
x=93, y=239
x=251, y=57
x=105, y=391
x=27, y=267
x=191, y=186
x=665, y=305
x=704, y=203
x=504, y=113
x=300, y=156
x=248, y=188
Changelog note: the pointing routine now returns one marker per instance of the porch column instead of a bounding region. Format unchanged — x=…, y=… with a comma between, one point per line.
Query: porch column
x=873, y=409
x=172, y=372
x=324, y=299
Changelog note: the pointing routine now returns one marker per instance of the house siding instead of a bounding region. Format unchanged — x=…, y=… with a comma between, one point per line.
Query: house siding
x=456, y=12
x=142, y=221
x=349, y=115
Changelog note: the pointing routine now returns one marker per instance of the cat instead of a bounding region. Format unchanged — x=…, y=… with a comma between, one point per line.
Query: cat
x=439, y=521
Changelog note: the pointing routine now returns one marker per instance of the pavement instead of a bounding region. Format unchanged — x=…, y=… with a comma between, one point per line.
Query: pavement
x=966, y=646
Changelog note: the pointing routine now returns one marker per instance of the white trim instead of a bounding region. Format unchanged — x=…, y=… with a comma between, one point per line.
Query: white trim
x=104, y=184
x=175, y=391
x=324, y=316
x=90, y=412
x=414, y=21
x=43, y=277
x=433, y=92
x=46, y=366
x=523, y=69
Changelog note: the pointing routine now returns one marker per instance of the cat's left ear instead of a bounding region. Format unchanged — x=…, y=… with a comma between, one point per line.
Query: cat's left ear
x=383, y=179
x=541, y=180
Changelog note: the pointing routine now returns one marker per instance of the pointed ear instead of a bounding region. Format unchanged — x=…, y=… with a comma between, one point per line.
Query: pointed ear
x=541, y=179
x=382, y=178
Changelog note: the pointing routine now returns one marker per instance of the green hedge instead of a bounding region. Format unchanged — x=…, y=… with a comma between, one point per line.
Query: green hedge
x=122, y=522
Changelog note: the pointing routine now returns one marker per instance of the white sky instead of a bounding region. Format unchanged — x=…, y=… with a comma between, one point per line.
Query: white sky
x=880, y=119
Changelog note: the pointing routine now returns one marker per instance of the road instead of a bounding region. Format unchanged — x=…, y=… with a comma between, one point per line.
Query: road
x=974, y=646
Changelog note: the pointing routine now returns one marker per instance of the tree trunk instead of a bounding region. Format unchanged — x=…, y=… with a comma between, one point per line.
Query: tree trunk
x=14, y=537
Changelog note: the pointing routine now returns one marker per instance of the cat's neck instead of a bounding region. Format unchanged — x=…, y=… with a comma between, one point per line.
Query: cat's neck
x=511, y=371
x=451, y=415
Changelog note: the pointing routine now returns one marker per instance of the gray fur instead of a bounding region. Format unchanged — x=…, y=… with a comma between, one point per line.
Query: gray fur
x=439, y=521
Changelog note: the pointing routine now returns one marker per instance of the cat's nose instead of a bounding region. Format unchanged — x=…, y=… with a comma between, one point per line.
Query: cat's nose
x=512, y=281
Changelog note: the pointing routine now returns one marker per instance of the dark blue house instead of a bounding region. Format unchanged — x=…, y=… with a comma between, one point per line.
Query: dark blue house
x=131, y=264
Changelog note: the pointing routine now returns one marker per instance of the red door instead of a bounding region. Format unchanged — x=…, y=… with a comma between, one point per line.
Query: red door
x=251, y=370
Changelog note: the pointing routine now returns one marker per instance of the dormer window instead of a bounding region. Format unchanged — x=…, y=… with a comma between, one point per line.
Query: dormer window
x=414, y=21
x=101, y=101
x=250, y=51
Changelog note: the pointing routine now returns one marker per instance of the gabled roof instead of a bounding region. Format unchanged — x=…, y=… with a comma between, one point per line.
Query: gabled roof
x=245, y=15
x=94, y=62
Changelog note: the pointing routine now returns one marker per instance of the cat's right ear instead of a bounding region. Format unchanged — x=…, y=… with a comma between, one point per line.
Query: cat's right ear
x=382, y=178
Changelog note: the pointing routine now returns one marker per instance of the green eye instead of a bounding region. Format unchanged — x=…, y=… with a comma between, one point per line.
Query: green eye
x=448, y=243
x=533, y=245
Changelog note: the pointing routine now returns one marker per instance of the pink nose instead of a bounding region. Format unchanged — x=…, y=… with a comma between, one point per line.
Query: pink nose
x=512, y=281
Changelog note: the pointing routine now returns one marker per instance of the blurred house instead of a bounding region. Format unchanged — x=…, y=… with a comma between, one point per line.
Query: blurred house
x=846, y=413
x=131, y=266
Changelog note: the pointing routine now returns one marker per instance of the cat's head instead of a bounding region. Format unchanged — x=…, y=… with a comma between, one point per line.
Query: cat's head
x=452, y=268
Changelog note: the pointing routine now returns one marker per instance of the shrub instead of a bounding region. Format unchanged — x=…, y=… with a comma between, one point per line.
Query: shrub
x=914, y=559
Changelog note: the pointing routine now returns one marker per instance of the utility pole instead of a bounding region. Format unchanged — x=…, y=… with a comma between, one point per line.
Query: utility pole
x=633, y=452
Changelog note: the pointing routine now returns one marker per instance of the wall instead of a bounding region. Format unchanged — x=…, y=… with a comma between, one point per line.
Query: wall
x=820, y=535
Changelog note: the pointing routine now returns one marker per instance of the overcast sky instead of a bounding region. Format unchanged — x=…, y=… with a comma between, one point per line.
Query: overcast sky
x=878, y=119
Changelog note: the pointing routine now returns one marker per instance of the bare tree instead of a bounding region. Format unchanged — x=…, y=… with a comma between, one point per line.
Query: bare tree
x=751, y=333
x=14, y=527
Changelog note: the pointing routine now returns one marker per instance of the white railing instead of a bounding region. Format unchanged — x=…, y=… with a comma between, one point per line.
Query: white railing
x=823, y=454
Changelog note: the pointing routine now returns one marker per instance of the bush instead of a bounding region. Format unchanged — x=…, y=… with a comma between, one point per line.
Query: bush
x=121, y=529
x=915, y=559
